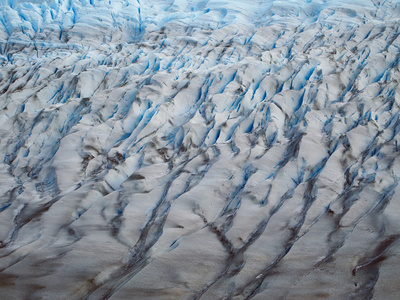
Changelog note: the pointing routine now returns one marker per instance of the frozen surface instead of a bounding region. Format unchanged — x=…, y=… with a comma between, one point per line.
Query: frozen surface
x=199, y=149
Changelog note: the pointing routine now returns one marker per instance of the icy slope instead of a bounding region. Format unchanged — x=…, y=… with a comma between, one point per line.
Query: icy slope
x=199, y=149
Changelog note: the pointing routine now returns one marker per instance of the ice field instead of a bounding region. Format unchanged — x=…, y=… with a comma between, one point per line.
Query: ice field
x=179, y=149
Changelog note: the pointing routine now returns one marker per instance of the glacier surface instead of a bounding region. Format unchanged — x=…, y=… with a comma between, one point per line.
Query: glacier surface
x=208, y=149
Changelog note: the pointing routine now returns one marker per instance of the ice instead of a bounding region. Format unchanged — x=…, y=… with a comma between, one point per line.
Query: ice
x=199, y=149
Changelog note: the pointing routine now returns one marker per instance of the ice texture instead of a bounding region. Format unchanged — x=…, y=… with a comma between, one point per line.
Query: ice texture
x=208, y=149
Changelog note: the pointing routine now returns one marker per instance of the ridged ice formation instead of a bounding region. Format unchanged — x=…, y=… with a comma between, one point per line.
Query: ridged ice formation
x=199, y=149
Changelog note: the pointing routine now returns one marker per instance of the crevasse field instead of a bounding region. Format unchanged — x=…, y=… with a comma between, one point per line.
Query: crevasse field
x=179, y=149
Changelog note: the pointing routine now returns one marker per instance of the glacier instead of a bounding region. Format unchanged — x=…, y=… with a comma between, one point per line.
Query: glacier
x=189, y=149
